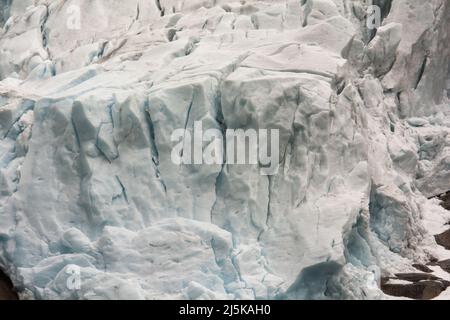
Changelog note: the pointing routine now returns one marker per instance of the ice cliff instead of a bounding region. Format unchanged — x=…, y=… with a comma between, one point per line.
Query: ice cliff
x=87, y=108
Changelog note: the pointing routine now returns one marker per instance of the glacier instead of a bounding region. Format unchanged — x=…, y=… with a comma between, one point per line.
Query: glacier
x=91, y=91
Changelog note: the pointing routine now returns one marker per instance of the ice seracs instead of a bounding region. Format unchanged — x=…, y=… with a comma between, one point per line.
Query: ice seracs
x=87, y=115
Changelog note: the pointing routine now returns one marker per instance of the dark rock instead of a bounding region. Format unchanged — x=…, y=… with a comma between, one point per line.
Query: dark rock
x=445, y=198
x=433, y=261
x=422, y=267
x=416, y=277
x=445, y=265
x=423, y=290
x=443, y=239
x=6, y=288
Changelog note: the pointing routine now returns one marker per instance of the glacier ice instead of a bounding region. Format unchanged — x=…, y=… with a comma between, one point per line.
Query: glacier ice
x=86, y=116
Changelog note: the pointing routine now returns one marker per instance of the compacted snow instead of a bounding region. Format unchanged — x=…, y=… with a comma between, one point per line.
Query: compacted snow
x=91, y=91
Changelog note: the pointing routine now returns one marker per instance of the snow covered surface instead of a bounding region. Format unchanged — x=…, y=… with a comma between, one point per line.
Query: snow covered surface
x=86, y=116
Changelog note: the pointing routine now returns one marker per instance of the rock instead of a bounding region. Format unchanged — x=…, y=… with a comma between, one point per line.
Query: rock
x=422, y=267
x=445, y=200
x=445, y=265
x=415, y=277
x=423, y=286
x=6, y=288
x=423, y=290
x=89, y=102
x=443, y=239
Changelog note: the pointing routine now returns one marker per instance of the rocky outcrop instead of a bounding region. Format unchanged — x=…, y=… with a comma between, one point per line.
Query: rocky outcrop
x=422, y=290
x=6, y=288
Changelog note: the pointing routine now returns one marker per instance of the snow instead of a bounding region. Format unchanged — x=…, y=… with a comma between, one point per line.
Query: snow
x=86, y=177
x=444, y=295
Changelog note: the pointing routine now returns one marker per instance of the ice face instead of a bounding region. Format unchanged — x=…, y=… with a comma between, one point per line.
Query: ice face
x=92, y=206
